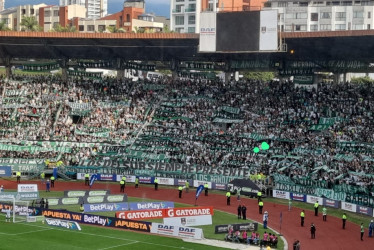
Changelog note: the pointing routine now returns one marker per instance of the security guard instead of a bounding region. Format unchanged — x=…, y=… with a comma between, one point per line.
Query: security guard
x=136, y=182
x=180, y=188
x=42, y=177
x=316, y=205
x=302, y=217
x=206, y=186
x=124, y=179
x=260, y=206
x=87, y=179
x=156, y=183
x=81, y=208
x=228, y=196
x=122, y=185
x=18, y=175
x=344, y=219
x=52, y=181
x=259, y=194
x=187, y=186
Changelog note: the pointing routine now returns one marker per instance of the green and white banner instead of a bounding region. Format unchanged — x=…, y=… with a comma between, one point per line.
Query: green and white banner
x=94, y=132
x=332, y=120
x=223, y=120
x=231, y=110
x=23, y=165
x=13, y=92
x=320, y=127
x=33, y=149
x=114, y=104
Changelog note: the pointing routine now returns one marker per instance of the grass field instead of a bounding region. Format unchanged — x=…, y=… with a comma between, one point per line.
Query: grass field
x=40, y=236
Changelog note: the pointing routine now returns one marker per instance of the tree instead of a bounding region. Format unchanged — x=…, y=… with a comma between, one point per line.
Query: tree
x=60, y=28
x=139, y=30
x=4, y=26
x=166, y=29
x=29, y=23
x=114, y=29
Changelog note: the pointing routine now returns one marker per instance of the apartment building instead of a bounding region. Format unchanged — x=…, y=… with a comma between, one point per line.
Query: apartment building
x=185, y=14
x=302, y=16
x=12, y=17
x=94, y=8
x=52, y=16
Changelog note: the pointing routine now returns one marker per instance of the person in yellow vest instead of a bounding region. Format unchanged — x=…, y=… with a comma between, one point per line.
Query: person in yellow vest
x=124, y=179
x=302, y=217
x=156, y=183
x=259, y=196
x=344, y=219
x=42, y=177
x=81, y=208
x=228, y=198
x=52, y=181
x=260, y=206
x=187, y=186
x=18, y=175
x=316, y=205
x=206, y=186
x=136, y=182
x=180, y=189
x=122, y=186
x=87, y=179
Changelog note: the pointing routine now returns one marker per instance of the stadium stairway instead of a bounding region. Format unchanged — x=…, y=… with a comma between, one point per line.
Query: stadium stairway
x=63, y=176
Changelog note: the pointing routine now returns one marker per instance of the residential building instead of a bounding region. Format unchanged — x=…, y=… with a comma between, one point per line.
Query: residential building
x=302, y=16
x=134, y=3
x=2, y=4
x=185, y=14
x=13, y=16
x=94, y=8
x=51, y=16
x=130, y=19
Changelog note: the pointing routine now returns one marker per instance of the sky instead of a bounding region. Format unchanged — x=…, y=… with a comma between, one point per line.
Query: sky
x=158, y=7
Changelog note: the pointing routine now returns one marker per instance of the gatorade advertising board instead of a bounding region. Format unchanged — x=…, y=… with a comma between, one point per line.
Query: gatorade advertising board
x=164, y=213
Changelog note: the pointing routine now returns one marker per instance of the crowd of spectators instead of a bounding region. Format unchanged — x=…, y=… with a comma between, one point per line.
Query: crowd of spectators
x=325, y=133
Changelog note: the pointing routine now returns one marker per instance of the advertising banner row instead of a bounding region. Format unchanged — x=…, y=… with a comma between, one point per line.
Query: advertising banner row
x=81, y=193
x=161, y=180
x=177, y=231
x=87, y=200
x=110, y=207
x=165, y=213
x=98, y=220
x=19, y=196
x=325, y=202
x=252, y=227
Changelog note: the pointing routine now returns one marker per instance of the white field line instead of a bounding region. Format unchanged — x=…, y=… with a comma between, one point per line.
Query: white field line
x=119, y=245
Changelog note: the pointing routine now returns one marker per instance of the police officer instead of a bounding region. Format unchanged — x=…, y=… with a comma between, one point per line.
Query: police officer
x=87, y=179
x=316, y=205
x=206, y=186
x=180, y=189
x=244, y=212
x=228, y=198
x=136, y=182
x=260, y=206
x=302, y=217
x=156, y=183
x=18, y=175
x=187, y=186
x=122, y=185
x=259, y=194
x=52, y=181
x=344, y=219
x=124, y=179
